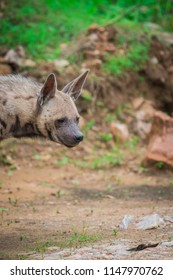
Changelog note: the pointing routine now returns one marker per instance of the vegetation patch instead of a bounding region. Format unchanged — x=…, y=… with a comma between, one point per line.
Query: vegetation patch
x=133, y=59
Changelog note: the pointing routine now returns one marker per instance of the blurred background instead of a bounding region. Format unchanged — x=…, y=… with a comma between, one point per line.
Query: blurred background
x=53, y=197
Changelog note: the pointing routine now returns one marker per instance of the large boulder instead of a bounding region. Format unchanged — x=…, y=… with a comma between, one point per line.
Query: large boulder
x=160, y=148
x=143, y=117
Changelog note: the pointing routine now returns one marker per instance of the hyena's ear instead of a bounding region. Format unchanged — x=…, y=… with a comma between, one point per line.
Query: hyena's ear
x=75, y=86
x=48, y=90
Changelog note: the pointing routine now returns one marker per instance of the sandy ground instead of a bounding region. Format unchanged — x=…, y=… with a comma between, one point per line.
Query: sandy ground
x=51, y=208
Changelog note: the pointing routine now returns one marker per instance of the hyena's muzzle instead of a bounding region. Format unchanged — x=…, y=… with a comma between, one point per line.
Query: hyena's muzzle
x=68, y=133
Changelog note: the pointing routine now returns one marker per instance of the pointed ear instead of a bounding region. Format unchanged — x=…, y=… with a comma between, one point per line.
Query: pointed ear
x=75, y=86
x=48, y=90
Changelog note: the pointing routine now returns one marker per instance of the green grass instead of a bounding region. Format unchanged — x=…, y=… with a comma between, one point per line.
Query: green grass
x=41, y=26
x=75, y=240
x=136, y=56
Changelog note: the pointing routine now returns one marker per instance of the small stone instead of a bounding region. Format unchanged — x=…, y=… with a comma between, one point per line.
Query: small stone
x=154, y=60
x=125, y=222
x=94, y=63
x=28, y=63
x=93, y=37
x=60, y=64
x=12, y=57
x=150, y=222
x=21, y=52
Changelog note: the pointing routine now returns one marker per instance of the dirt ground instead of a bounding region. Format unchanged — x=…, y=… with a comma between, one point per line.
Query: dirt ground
x=51, y=207
x=59, y=203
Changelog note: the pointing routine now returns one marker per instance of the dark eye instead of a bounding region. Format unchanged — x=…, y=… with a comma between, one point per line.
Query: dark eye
x=77, y=119
x=60, y=122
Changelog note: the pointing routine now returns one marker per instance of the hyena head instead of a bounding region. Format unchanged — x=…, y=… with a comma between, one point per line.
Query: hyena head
x=57, y=115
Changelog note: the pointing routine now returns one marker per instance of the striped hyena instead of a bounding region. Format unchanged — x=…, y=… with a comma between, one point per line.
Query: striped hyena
x=30, y=109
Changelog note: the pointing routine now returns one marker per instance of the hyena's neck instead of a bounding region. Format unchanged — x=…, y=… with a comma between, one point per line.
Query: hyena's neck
x=27, y=129
x=18, y=99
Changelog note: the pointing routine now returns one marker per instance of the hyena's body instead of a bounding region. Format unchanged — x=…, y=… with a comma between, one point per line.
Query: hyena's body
x=29, y=109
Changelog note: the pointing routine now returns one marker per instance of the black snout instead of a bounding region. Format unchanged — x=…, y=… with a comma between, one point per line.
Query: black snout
x=79, y=137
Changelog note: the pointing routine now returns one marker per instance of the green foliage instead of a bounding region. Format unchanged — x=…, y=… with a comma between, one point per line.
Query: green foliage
x=2, y=209
x=132, y=143
x=106, y=137
x=115, y=231
x=86, y=95
x=88, y=127
x=108, y=159
x=109, y=118
x=83, y=237
x=63, y=161
x=4, y=160
x=160, y=164
x=100, y=103
x=41, y=26
x=133, y=59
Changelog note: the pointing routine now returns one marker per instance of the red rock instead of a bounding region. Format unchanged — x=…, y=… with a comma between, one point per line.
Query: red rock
x=160, y=146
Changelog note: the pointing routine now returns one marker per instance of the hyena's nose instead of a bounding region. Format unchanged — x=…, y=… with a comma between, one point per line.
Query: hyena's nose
x=79, y=137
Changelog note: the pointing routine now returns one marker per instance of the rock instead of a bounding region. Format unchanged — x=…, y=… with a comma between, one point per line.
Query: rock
x=150, y=222
x=28, y=63
x=60, y=64
x=91, y=54
x=137, y=103
x=167, y=243
x=144, y=117
x=154, y=60
x=167, y=38
x=95, y=63
x=20, y=51
x=170, y=69
x=160, y=147
x=5, y=69
x=156, y=73
x=95, y=28
x=93, y=37
x=168, y=219
x=125, y=222
x=12, y=57
x=109, y=47
x=119, y=131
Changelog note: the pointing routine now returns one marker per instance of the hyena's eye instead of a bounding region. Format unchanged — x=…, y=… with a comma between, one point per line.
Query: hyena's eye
x=60, y=122
x=77, y=119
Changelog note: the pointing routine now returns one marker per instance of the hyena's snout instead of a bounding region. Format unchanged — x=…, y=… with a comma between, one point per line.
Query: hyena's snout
x=74, y=139
x=71, y=136
x=78, y=137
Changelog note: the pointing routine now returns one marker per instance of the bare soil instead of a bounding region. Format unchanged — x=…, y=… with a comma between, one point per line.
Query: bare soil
x=47, y=203
x=53, y=195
